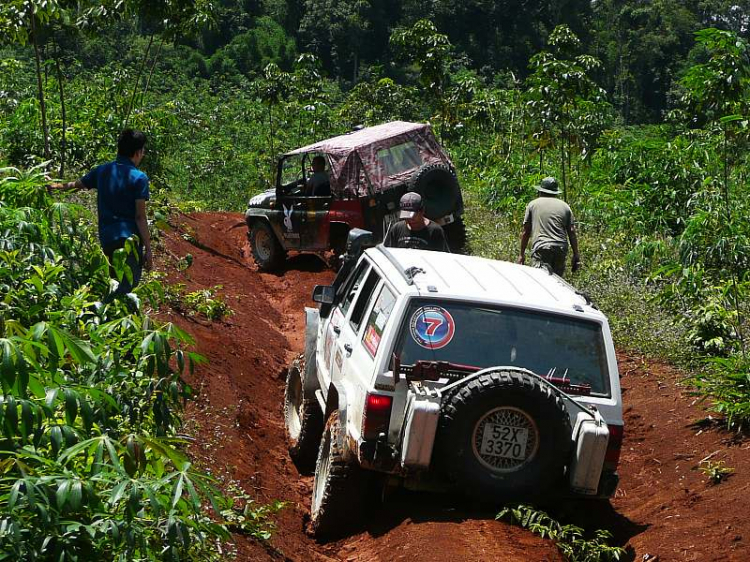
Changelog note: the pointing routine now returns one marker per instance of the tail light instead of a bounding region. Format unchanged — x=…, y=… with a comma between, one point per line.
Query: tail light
x=377, y=415
x=612, y=457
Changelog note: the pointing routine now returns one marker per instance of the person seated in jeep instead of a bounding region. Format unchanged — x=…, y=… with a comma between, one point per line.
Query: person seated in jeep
x=415, y=230
x=318, y=184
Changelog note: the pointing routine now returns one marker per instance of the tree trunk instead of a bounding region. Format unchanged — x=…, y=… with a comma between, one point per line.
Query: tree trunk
x=270, y=135
x=40, y=87
x=151, y=72
x=564, y=174
x=63, y=141
x=130, y=107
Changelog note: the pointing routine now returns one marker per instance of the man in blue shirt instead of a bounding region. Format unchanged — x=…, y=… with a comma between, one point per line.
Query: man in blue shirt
x=122, y=192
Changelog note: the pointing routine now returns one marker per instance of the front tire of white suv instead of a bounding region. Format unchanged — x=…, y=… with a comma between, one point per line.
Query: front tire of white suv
x=303, y=419
x=340, y=488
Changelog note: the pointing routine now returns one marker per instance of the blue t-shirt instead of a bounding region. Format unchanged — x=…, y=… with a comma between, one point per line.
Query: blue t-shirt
x=118, y=184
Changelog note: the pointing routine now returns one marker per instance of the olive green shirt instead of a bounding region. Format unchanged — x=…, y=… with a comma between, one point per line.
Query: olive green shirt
x=550, y=219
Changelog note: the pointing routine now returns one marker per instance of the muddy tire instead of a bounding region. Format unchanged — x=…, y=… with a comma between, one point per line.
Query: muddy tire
x=455, y=234
x=438, y=186
x=528, y=460
x=340, y=488
x=303, y=420
x=267, y=252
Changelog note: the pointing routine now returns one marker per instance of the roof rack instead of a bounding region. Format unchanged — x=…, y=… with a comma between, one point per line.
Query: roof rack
x=407, y=274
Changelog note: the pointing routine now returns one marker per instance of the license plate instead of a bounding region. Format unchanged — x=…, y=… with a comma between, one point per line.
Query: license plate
x=504, y=441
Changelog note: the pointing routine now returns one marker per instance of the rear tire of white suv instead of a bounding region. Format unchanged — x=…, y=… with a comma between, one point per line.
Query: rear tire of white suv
x=303, y=419
x=504, y=435
x=340, y=488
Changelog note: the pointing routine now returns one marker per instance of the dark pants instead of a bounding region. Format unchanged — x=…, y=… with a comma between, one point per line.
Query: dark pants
x=133, y=260
x=551, y=257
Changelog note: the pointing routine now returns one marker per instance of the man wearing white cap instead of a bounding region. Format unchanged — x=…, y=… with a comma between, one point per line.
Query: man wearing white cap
x=549, y=224
x=415, y=230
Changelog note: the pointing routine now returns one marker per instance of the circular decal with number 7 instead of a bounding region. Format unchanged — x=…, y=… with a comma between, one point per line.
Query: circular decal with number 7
x=432, y=327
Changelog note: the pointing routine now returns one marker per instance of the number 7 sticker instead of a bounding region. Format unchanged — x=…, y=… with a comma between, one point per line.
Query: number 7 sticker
x=432, y=327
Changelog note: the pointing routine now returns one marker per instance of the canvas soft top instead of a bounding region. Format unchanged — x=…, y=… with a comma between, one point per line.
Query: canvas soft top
x=356, y=139
x=377, y=158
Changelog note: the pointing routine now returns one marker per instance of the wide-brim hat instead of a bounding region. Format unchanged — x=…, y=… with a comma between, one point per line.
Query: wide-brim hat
x=549, y=185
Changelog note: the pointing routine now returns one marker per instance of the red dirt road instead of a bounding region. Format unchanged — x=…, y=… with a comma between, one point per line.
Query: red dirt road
x=664, y=510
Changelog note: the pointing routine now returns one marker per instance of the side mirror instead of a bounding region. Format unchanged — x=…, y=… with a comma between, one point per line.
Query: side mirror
x=324, y=294
x=357, y=241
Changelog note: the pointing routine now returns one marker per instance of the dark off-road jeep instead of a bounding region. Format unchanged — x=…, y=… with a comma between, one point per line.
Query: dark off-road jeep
x=368, y=171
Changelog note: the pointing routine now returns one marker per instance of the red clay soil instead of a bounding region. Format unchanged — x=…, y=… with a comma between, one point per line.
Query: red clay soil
x=664, y=510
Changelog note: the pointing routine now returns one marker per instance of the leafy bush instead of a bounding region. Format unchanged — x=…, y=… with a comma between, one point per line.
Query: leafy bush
x=569, y=539
x=90, y=464
x=726, y=383
x=205, y=302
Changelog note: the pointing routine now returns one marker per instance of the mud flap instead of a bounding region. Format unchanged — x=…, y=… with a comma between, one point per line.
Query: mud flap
x=337, y=400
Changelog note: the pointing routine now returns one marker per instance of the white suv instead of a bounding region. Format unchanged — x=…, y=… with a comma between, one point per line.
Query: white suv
x=432, y=368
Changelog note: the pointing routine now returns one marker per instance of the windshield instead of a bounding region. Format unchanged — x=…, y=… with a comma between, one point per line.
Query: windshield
x=546, y=344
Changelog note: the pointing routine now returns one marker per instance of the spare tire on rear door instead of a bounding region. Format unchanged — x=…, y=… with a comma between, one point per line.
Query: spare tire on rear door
x=438, y=186
x=504, y=435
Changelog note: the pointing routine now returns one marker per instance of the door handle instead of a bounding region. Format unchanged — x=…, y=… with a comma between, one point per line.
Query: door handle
x=336, y=330
x=348, y=348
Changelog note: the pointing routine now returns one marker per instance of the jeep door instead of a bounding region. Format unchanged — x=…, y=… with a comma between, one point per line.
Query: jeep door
x=304, y=225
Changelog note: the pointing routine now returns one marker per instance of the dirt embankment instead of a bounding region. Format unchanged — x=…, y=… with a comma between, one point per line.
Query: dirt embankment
x=664, y=510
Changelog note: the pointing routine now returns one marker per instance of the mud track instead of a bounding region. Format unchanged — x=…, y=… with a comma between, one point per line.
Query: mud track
x=664, y=510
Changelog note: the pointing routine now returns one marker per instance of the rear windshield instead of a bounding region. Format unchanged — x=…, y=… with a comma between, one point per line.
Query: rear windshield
x=546, y=344
x=399, y=158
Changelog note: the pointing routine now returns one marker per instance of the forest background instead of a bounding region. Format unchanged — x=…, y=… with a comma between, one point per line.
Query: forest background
x=639, y=107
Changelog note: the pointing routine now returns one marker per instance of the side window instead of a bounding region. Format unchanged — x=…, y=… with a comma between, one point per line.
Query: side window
x=363, y=300
x=350, y=291
x=399, y=158
x=377, y=320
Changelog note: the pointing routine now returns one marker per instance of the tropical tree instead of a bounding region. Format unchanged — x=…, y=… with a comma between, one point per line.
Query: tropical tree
x=431, y=52
x=561, y=97
x=717, y=95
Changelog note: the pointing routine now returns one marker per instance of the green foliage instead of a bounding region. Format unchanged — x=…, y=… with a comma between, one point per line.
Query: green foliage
x=718, y=87
x=90, y=465
x=565, y=105
x=636, y=172
x=431, y=52
x=337, y=32
x=715, y=471
x=205, y=302
x=726, y=383
x=244, y=515
x=644, y=47
x=661, y=210
x=250, y=52
x=372, y=103
x=569, y=539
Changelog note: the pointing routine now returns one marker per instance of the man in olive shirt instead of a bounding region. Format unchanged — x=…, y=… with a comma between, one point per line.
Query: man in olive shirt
x=415, y=230
x=549, y=224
